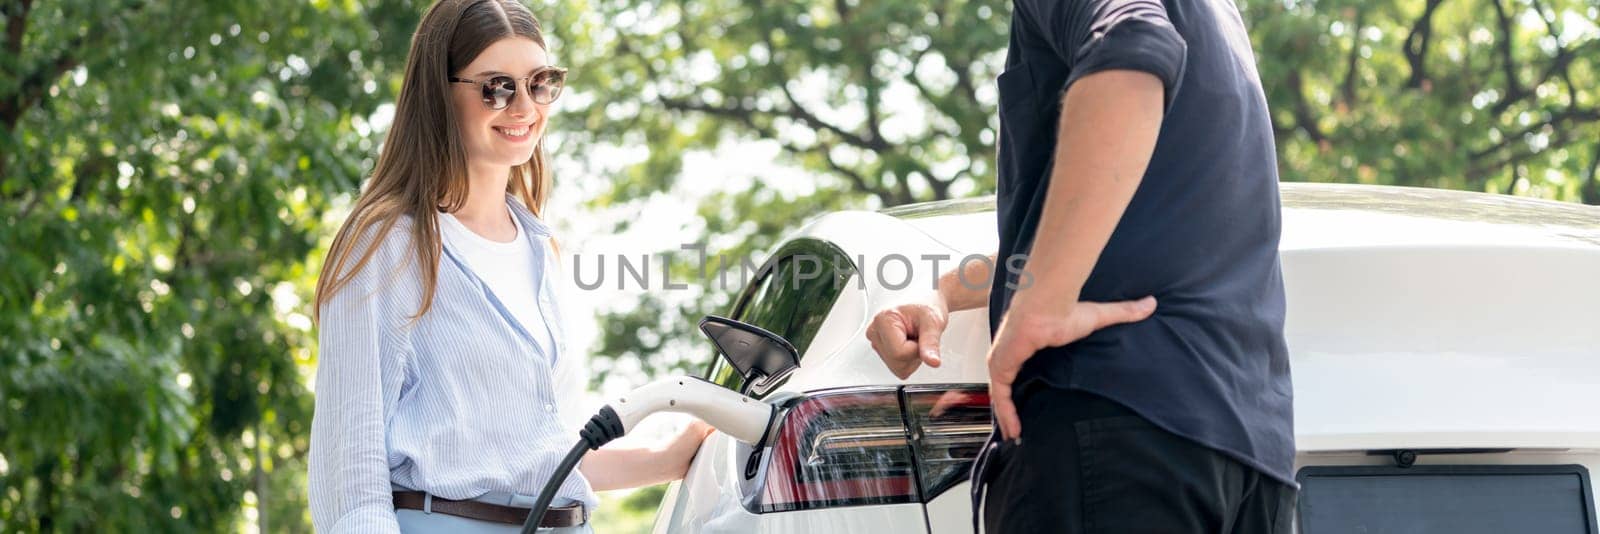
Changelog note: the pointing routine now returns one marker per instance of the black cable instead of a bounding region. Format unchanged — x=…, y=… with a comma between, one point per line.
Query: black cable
x=570, y=461
x=600, y=430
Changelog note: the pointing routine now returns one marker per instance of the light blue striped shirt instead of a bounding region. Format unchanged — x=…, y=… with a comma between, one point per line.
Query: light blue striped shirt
x=459, y=403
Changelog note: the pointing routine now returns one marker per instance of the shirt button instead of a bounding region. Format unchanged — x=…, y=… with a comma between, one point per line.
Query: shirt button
x=549, y=407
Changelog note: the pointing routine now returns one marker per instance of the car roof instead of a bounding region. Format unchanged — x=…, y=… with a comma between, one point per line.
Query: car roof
x=1320, y=216
x=1418, y=318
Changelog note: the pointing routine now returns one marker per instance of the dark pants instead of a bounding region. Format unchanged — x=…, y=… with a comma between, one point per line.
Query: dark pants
x=1087, y=464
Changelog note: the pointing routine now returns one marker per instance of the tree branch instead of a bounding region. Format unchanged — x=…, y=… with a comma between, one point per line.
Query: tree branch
x=869, y=82
x=12, y=105
x=1477, y=170
x=34, y=86
x=855, y=178
x=963, y=70
x=87, y=174
x=45, y=505
x=941, y=188
x=800, y=113
x=962, y=67
x=902, y=182
x=1416, y=47
x=1348, y=90
x=937, y=100
x=1514, y=89
x=968, y=137
x=1590, y=191
x=1303, y=117
x=1559, y=63
x=1564, y=56
x=1555, y=123
x=747, y=117
x=866, y=137
x=1280, y=134
x=16, y=25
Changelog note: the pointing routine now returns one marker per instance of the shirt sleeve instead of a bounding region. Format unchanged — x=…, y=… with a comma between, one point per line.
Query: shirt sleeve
x=357, y=385
x=1098, y=35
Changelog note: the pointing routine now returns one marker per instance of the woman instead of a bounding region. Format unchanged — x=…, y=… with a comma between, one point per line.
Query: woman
x=441, y=342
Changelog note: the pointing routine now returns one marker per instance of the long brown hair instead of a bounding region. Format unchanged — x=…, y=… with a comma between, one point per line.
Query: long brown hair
x=423, y=166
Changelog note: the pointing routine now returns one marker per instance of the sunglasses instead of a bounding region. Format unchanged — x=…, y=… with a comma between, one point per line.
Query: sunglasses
x=544, y=86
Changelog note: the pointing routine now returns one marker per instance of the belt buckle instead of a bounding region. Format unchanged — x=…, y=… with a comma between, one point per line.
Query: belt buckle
x=583, y=513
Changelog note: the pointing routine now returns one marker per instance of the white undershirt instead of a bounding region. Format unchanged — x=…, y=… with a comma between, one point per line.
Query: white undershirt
x=509, y=269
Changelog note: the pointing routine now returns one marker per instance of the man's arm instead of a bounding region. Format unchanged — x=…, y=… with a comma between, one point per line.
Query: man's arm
x=1126, y=61
x=1109, y=124
x=907, y=336
x=966, y=287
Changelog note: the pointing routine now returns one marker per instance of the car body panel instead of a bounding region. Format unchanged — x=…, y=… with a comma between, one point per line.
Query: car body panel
x=951, y=511
x=1417, y=319
x=721, y=512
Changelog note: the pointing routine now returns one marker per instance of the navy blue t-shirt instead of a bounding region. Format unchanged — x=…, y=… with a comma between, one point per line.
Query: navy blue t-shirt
x=1201, y=233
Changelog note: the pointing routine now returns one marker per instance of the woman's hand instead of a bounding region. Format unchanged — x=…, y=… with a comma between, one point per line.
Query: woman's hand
x=609, y=469
x=681, y=451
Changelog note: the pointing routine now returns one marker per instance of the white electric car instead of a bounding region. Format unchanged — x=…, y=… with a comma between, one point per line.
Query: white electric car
x=1445, y=350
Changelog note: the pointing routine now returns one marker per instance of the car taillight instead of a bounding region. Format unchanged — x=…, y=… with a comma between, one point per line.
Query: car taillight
x=873, y=446
x=839, y=449
x=948, y=427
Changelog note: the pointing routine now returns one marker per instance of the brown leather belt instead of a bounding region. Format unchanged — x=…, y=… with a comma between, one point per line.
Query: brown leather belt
x=557, y=517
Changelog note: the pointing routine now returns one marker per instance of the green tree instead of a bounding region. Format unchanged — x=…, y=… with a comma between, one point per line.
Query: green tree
x=164, y=168
x=1482, y=95
x=886, y=103
x=1485, y=95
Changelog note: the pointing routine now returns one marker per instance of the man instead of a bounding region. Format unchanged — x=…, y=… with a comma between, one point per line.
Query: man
x=1136, y=160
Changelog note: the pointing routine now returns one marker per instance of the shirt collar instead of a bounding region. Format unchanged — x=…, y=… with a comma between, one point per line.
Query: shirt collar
x=532, y=227
x=530, y=222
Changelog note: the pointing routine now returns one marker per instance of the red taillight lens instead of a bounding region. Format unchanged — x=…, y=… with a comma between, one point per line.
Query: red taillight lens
x=873, y=446
x=839, y=449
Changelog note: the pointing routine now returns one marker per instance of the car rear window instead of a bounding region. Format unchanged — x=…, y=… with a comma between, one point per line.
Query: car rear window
x=791, y=298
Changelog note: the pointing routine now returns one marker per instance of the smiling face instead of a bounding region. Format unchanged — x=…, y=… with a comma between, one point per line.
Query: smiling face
x=507, y=137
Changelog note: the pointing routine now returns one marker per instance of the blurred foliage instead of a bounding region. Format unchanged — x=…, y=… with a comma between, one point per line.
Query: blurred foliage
x=886, y=103
x=626, y=511
x=881, y=103
x=165, y=170
x=1485, y=95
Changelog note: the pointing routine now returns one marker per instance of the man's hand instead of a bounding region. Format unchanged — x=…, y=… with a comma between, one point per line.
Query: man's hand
x=1024, y=332
x=906, y=336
